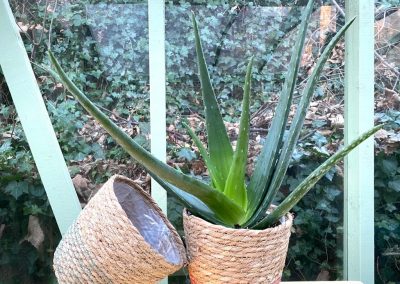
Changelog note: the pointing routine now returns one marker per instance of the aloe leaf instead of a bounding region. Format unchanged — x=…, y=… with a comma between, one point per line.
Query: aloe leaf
x=203, y=152
x=235, y=187
x=189, y=201
x=219, y=146
x=224, y=209
x=297, y=194
x=297, y=124
x=178, y=168
x=269, y=154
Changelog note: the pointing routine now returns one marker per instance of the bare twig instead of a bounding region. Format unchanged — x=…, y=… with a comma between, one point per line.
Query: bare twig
x=257, y=129
x=384, y=62
x=338, y=7
x=380, y=57
x=391, y=253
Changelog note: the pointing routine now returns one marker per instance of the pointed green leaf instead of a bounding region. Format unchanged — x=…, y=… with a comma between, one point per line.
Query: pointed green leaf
x=266, y=161
x=191, y=202
x=297, y=124
x=235, y=187
x=219, y=146
x=203, y=152
x=225, y=210
x=297, y=194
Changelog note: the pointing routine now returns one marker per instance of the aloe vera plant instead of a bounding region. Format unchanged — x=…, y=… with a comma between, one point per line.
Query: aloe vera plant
x=229, y=199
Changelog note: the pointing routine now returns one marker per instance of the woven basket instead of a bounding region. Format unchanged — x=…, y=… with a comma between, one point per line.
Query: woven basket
x=223, y=255
x=121, y=236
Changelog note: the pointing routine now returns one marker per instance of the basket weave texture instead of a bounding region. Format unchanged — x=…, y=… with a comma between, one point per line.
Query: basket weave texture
x=223, y=255
x=103, y=246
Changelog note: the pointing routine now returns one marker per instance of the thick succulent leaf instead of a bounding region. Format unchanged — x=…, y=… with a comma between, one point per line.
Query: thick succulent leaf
x=235, y=187
x=297, y=124
x=269, y=154
x=298, y=193
x=206, y=158
x=219, y=146
x=191, y=202
x=224, y=209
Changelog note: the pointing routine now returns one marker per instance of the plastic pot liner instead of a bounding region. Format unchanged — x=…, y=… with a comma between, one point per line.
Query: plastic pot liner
x=223, y=255
x=121, y=236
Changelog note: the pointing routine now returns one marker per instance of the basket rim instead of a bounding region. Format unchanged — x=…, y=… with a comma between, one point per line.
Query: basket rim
x=202, y=222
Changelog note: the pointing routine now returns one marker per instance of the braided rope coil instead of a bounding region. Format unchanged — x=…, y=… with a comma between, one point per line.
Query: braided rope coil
x=103, y=245
x=223, y=255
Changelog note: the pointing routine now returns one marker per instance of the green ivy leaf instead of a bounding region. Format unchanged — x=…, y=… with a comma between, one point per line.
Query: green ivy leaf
x=331, y=192
x=32, y=209
x=98, y=152
x=332, y=219
x=16, y=189
x=187, y=154
x=390, y=166
x=6, y=146
x=395, y=184
x=37, y=191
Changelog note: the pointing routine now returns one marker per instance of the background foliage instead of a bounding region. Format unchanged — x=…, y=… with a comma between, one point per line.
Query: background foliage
x=104, y=46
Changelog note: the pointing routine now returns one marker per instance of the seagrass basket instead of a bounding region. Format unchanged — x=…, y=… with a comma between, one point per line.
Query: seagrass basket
x=223, y=255
x=121, y=236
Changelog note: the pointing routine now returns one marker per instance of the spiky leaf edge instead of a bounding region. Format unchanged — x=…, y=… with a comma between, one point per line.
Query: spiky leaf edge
x=204, y=154
x=235, y=187
x=298, y=193
x=266, y=161
x=219, y=146
x=296, y=126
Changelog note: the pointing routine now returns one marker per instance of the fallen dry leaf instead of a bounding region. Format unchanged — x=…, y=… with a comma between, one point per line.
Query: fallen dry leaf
x=323, y=275
x=24, y=28
x=337, y=120
x=35, y=233
x=81, y=185
x=382, y=134
x=80, y=182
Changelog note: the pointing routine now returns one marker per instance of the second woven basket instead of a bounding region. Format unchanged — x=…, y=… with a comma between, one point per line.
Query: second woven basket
x=223, y=255
x=121, y=236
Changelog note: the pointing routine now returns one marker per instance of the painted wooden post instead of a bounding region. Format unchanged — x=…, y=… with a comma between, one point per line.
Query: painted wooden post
x=157, y=71
x=359, y=166
x=157, y=91
x=35, y=121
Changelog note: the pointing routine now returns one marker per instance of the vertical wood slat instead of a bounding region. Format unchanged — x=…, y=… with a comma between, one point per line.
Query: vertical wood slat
x=359, y=165
x=35, y=121
x=157, y=71
x=157, y=91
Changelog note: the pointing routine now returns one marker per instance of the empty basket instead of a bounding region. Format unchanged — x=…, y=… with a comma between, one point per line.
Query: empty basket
x=121, y=236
